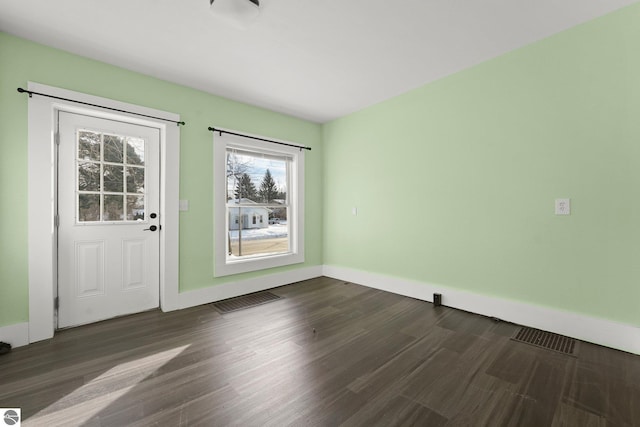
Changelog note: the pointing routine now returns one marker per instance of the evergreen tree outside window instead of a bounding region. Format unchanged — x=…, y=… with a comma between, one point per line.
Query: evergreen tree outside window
x=245, y=188
x=268, y=188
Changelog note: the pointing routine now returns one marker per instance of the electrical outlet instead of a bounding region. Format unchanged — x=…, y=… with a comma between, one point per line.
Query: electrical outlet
x=563, y=206
x=437, y=300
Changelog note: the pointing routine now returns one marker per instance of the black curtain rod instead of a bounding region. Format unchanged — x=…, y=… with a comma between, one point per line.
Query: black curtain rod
x=301, y=147
x=31, y=93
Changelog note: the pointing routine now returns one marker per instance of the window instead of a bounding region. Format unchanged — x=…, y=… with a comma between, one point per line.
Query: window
x=258, y=205
x=110, y=178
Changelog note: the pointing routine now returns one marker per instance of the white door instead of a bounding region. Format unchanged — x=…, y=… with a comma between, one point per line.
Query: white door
x=109, y=225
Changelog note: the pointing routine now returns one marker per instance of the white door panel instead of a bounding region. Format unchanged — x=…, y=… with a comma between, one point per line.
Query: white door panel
x=108, y=207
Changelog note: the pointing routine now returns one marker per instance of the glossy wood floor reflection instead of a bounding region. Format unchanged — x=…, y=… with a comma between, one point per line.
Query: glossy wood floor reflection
x=375, y=358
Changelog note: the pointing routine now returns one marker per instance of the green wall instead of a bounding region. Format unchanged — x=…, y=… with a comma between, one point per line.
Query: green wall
x=455, y=182
x=22, y=61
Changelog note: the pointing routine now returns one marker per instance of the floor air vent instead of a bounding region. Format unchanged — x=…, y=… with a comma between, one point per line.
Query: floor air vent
x=246, y=301
x=546, y=340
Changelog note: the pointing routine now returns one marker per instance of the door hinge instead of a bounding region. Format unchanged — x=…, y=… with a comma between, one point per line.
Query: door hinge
x=56, y=220
x=57, y=138
x=56, y=303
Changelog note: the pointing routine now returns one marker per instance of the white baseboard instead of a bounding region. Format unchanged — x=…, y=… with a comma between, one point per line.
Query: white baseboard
x=17, y=335
x=595, y=330
x=242, y=287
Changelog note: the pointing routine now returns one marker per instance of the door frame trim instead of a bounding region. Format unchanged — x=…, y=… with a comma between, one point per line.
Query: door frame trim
x=42, y=257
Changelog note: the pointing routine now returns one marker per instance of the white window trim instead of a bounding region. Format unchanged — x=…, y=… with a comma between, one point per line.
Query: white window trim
x=296, y=193
x=41, y=197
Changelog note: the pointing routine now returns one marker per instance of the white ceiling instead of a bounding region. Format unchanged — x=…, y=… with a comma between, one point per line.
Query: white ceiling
x=313, y=59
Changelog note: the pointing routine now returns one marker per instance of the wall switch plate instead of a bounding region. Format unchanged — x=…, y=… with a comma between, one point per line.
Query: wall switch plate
x=184, y=205
x=354, y=211
x=563, y=206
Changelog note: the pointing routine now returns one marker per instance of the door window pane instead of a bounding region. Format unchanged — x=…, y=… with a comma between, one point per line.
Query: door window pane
x=113, y=151
x=89, y=146
x=135, y=208
x=135, y=180
x=135, y=151
x=88, y=176
x=113, y=178
x=88, y=207
x=113, y=208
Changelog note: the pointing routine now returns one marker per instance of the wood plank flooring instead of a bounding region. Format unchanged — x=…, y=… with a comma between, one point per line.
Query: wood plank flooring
x=328, y=354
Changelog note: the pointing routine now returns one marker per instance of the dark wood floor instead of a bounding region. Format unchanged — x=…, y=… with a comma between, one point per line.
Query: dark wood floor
x=375, y=359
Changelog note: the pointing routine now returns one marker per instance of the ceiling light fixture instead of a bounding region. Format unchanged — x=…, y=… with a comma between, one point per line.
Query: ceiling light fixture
x=238, y=11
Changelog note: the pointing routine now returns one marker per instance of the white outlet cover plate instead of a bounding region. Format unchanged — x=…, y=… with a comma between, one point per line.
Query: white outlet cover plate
x=563, y=206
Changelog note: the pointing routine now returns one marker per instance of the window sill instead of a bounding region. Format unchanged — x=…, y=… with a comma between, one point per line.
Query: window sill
x=247, y=265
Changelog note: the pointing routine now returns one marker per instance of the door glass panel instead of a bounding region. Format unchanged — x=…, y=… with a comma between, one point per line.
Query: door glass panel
x=135, y=151
x=88, y=207
x=110, y=181
x=113, y=207
x=113, y=152
x=89, y=146
x=113, y=181
x=135, y=208
x=88, y=176
x=135, y=180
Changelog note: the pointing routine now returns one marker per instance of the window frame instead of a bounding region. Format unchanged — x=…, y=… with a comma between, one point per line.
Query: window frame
x=222, y=265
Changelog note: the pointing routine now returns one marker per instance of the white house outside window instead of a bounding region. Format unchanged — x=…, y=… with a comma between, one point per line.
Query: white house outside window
x=258, y=205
